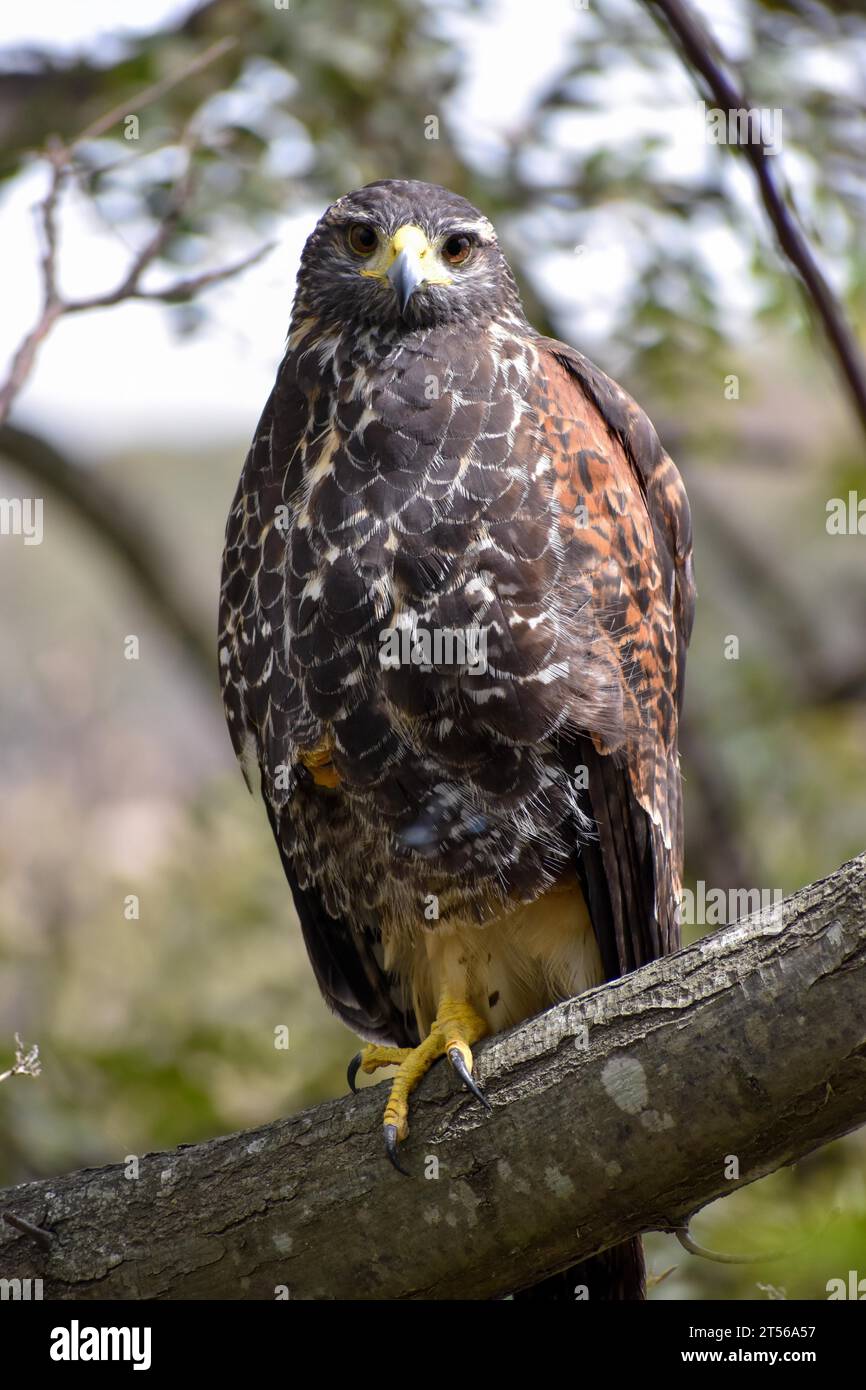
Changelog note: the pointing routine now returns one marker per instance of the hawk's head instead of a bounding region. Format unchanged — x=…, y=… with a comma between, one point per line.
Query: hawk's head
x=401, y=252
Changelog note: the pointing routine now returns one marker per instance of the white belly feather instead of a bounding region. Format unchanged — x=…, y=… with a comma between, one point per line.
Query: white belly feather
x=508, y=969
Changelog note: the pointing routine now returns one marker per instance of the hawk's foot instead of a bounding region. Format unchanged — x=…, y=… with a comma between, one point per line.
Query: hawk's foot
x=453, y=1031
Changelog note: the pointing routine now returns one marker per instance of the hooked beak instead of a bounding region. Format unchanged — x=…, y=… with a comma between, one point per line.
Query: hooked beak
x=407, y=262
x=404, y=275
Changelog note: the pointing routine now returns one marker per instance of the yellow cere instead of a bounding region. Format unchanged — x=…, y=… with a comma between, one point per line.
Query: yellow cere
x=413, y=241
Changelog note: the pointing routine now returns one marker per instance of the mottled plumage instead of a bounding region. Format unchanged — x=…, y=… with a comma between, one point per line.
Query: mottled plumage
x=443, y=468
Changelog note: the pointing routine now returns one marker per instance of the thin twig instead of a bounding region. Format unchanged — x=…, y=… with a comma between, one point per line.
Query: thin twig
x=59, y=173
x=176, y=293
x=25, y=357
x=38, y=1234
x=61, y=160
x=688, y=1242
x=27, y=1061
x=52, y=305
x=703, y=55
x=153, y=93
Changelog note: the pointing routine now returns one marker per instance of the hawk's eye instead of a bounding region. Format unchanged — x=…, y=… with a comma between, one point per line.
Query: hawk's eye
x=362, y=239
x=457, y=248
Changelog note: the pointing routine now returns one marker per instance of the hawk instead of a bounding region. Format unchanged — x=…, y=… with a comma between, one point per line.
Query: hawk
x=456, y=597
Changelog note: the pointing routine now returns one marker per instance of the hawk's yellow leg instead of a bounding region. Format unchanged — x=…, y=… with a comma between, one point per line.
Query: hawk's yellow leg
x=453, y=1031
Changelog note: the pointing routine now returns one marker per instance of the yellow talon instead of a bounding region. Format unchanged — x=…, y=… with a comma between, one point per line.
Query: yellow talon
x=454, y=1029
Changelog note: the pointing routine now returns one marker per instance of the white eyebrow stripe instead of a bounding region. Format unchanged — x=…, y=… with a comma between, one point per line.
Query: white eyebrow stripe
x=482, y=228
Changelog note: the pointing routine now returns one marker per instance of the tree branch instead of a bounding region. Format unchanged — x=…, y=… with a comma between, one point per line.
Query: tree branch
x=127, y=538
x=702, y=56
x=614, y=1113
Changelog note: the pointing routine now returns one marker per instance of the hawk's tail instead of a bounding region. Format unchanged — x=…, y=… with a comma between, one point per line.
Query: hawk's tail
x=617, y=1275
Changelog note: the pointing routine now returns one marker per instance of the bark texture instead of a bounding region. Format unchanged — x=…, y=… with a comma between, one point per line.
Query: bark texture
x=614, y=1113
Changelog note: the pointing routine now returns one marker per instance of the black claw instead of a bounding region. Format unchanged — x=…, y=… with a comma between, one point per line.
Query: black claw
x=390, y=1133
x=455, y=1057
x=352, y=1071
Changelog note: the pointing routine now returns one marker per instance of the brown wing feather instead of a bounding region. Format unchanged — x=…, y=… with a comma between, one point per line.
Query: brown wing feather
x=625, y=518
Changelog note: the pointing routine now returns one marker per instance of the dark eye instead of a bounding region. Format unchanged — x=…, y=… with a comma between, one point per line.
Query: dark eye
x=362, y=239
x=457, y=248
